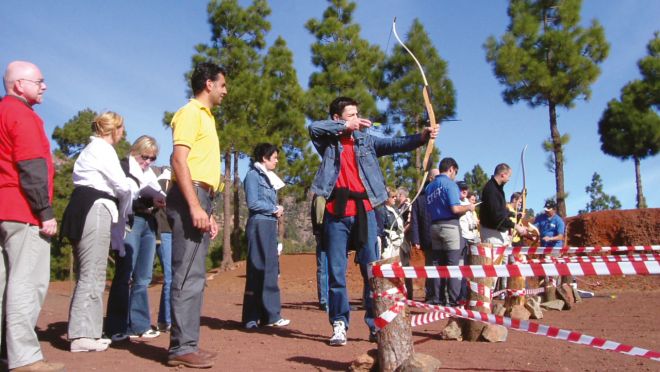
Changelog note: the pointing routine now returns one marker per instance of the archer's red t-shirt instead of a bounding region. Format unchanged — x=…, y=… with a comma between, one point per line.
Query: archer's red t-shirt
x=349, y=177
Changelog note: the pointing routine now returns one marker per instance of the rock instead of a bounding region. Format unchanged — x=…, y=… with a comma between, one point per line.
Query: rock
x=452, y=331
x=565, y=293
x=576, y=295
x=365, y=362
x=419, y=363
x=499, y=309
x=550, y=293
x=533, y=305
x=519, y=312
x=553, y=305
x=495, y=333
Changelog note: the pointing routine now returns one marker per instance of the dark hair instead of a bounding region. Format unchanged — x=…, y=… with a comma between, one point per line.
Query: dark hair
x=447, y=163
x=501, y=168
x=462, y=185
x=263, y=150
x=204, y=71
x=514, y=196
x=337, y=106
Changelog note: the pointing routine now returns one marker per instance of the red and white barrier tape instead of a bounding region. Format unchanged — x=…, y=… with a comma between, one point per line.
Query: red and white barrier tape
x=481, y=289
x=395, y=270
x=488, y=251
x=628, y=258
x=537, y=329
x=426, y=318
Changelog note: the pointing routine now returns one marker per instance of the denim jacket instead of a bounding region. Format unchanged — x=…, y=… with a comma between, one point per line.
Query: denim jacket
x=325, y=137
x=260, y=195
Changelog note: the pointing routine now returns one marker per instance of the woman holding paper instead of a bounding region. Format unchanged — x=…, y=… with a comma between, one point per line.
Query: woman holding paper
x=128, y=302
x=99, y=202
x=261, y=301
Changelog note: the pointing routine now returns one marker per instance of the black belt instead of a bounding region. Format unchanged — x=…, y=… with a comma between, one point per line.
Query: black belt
x=444, y=221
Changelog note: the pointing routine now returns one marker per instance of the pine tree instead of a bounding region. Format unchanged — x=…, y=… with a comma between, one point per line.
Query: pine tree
x=404, y=94
x=630, y=127
x=476, y=179
x=238, y=35
x=546, y=58
x=348, y=65
x=600, y=201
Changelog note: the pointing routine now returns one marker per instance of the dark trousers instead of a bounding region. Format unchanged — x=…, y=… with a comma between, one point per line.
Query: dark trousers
x=431, y=258
x=261, y=301
x=189, y=249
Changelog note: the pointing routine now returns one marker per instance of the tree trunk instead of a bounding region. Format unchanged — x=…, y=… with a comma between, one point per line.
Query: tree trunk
x=641, y=201
x=559, y=160
x=395, y=344
x=227, y=259
x=236, y=230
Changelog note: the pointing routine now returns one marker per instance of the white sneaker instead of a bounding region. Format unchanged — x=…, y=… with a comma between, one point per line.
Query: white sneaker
x=87, y=344
x=251, y=325
x=338, y=333
x=104, y=340
x=280, y=323
x=148, y=334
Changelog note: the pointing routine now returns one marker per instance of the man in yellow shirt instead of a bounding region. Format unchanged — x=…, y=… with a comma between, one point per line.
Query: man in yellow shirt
x=196, y=178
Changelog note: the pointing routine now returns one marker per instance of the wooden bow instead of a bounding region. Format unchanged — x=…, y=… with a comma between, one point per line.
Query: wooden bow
x=429, y=110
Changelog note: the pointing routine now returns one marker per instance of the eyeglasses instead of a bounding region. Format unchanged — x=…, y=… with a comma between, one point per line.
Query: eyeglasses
x=37, y=82
x=145, y=158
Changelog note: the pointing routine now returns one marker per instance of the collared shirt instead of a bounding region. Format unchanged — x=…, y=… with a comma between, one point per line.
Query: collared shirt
x=441, y=194
x=22, y=139
x=98, y=167
x=193, y=126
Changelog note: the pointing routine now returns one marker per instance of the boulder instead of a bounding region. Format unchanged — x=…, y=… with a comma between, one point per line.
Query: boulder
x=419, y=363
x=553, y=305
x=495, y=333
x=565, y=293
x=452, y=331
x=519, y=312
x=533, y=305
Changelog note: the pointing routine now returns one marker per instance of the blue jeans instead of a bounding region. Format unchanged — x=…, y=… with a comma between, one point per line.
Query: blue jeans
x=336, y=233
x=164, y=252
x=128, y=303
x=321, y=272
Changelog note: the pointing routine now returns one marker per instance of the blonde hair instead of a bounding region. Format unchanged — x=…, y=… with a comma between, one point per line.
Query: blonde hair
x=143, y=144
x=107, y=123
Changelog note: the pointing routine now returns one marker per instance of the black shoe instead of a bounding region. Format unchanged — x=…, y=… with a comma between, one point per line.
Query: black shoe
x=372, y=336
x=323, y=307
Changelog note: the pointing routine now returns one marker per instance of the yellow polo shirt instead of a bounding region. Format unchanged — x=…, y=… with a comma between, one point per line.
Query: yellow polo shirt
x=193, y=126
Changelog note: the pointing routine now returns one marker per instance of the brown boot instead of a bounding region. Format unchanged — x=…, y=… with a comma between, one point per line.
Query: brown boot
x=41, y=366
x=207, y=353
x=191, y=360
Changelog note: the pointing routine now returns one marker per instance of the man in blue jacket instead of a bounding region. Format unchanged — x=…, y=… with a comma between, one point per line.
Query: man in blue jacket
x=349, y=177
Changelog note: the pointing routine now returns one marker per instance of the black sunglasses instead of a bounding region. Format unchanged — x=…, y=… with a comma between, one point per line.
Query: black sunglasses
x=145, y=158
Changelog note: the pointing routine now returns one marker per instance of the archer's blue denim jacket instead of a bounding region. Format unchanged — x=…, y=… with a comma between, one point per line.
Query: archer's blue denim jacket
x=260, y=195
x=325, y=137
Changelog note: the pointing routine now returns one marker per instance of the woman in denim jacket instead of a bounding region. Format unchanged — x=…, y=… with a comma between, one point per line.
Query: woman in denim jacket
x=261, y=301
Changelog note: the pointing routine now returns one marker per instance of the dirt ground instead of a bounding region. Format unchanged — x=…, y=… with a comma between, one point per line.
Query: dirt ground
x=630, y=317
x=624, y=310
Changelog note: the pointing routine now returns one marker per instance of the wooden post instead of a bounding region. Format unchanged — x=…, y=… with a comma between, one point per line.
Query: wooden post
x=515, y=283
x=395, y=345
x=472, y=329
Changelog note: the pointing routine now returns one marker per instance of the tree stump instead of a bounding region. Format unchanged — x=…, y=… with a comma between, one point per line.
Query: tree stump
x=472, y=329
x=515, y=283
x=395, y=344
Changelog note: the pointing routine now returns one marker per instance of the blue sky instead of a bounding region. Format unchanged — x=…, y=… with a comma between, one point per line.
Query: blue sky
x=130, y=57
